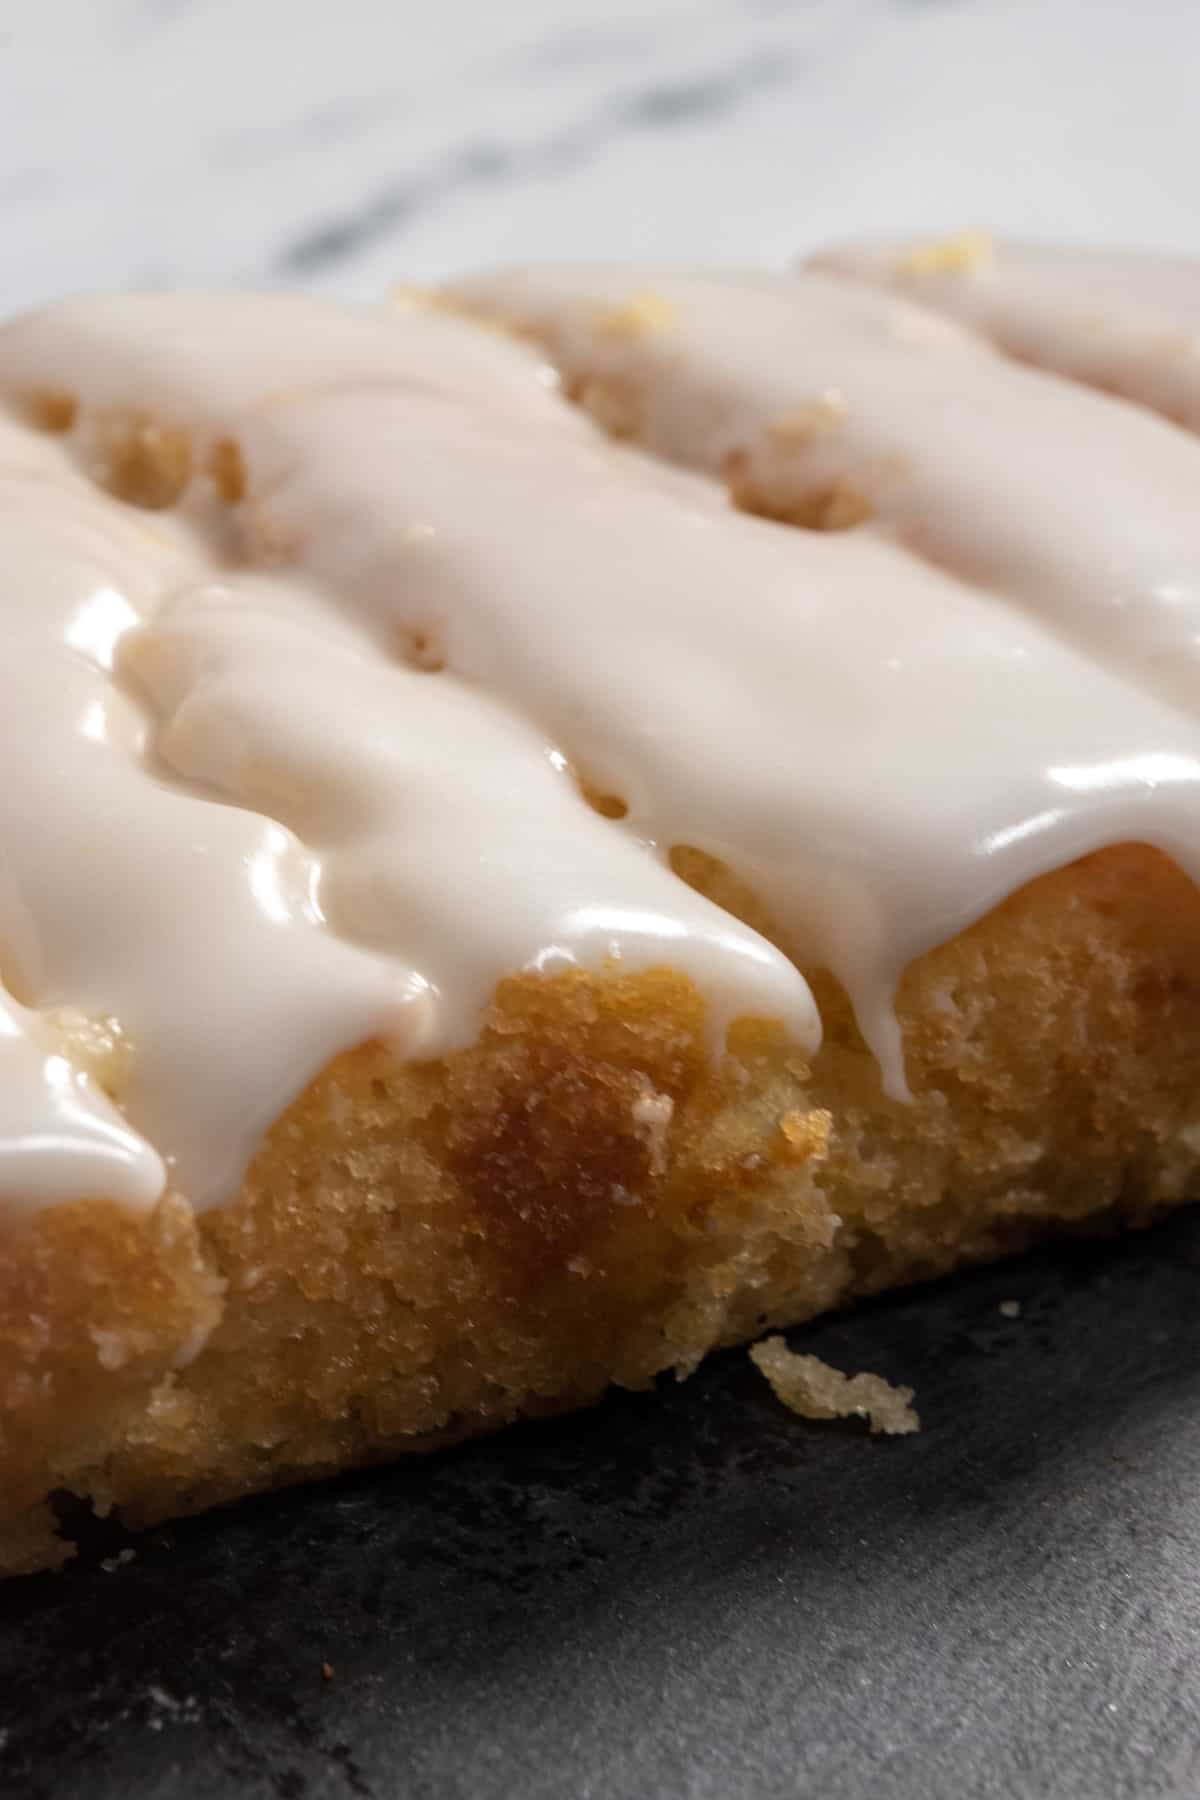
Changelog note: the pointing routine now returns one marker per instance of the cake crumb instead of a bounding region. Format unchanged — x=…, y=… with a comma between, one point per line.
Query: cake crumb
x=407, y=296
x=113, y=1349
x=795, y=429
x=327, y=1671
x=805, y=1135
x=812, y=1389
x=652, y=1115
x=644, y=312
x=831, y=506
x=964, y=254
x=1011, y=1309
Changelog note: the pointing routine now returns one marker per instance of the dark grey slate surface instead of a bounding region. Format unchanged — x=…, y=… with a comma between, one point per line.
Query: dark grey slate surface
x=691, y=1593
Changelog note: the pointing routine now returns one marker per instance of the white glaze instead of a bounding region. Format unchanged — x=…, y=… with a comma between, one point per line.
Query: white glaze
x=59, y=1135
x=456, y=829
x=1116, y=319
x=1079, y=508
x=239, y=820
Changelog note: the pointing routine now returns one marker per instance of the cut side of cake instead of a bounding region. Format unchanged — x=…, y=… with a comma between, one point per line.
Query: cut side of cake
x=558, y=824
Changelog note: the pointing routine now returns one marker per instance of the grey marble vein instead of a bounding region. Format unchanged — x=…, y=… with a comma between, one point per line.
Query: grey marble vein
x=585, y=47
x=658, y=105
x=149, y=14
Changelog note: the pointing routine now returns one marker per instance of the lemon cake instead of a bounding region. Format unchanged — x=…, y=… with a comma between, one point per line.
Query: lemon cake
x=555, y=825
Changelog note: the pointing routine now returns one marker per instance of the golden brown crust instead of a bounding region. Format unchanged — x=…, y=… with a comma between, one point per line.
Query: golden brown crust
x=423, y=1251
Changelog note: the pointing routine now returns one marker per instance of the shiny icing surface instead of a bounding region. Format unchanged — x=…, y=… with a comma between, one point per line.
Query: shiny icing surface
x=323, y=623
x=1124, y=321
x=1079, y=510
x=59, y=1134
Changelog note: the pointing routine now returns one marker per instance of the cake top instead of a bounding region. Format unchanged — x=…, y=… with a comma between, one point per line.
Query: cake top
x=352, y=667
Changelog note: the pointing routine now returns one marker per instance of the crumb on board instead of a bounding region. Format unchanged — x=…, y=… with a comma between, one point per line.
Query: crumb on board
x=964, y=254
x=809, y=1387
x=1011, y=1309
x=110, y=1564
x=327, y=1671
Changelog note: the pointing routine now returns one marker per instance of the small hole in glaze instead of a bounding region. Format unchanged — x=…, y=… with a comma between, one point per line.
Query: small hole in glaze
x=609, y=806
x=830, y=506
x=142, y=461
x=50, y=409
x=228, y=471
x=420, y=650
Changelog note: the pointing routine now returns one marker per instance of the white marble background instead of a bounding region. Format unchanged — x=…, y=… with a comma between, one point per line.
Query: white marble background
x=342, y=144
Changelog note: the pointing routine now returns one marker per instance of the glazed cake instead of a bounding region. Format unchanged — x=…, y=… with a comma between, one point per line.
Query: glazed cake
x=557, y=825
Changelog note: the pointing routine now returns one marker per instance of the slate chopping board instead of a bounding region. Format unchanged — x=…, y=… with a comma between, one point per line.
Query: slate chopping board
x=691, y=1593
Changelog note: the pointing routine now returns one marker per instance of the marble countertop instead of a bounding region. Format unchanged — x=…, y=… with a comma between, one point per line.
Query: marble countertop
x=344, y=146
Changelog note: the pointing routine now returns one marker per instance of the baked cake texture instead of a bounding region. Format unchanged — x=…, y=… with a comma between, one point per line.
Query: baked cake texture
x=490, y=912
